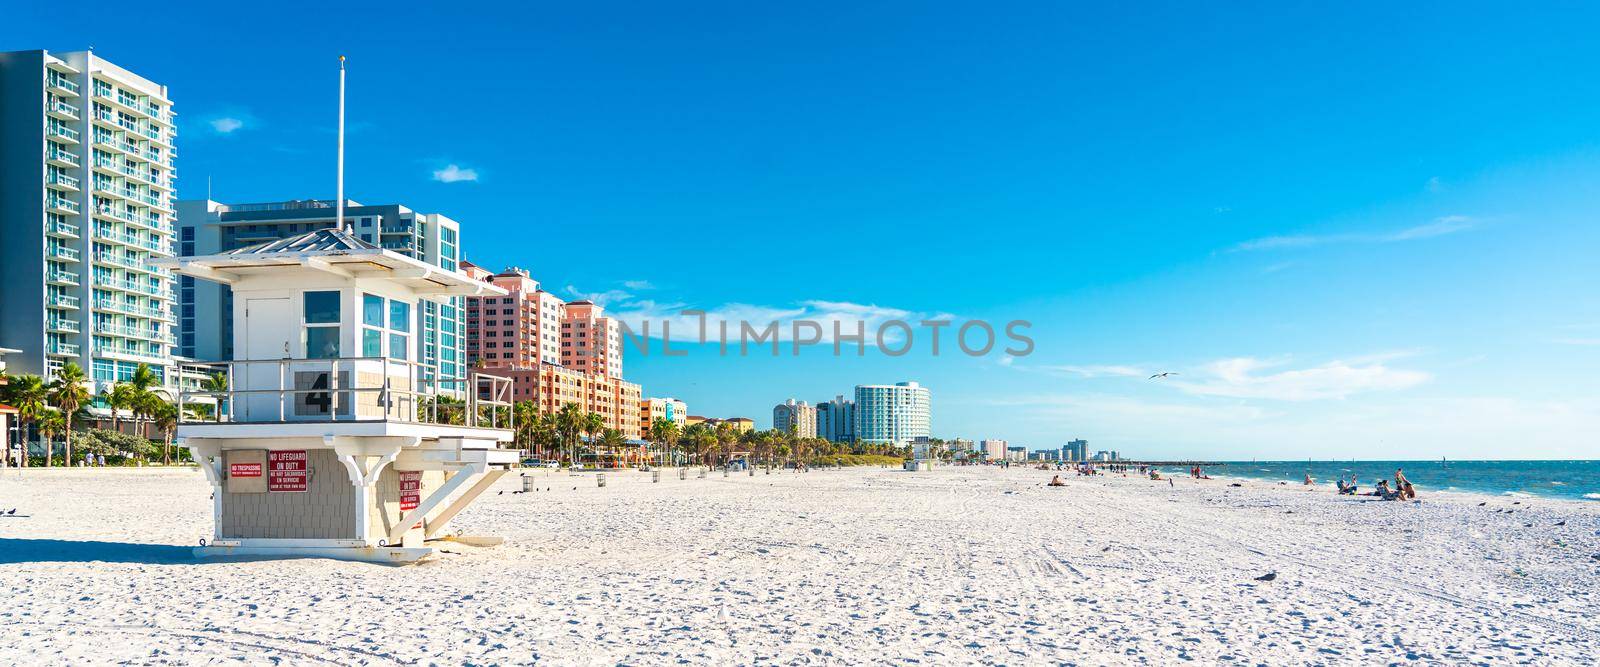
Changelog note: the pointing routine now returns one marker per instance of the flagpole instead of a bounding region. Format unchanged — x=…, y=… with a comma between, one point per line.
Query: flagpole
x=339, y=203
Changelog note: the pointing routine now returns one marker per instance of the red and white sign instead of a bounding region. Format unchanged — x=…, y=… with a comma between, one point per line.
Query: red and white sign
x=410, y=490
x=287, y=471
x=244, y=469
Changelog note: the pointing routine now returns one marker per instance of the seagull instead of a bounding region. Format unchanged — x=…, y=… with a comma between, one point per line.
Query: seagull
x=1162, y=375
x=1267, y=577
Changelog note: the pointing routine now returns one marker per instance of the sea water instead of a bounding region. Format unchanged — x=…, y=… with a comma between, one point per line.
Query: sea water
x=1578, y=480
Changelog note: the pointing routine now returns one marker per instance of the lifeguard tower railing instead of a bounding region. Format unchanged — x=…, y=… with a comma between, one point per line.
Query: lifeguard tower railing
x=348, y=389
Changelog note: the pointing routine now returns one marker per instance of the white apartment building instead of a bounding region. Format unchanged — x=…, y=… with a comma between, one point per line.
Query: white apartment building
x=896, y=413
x=795, y=417
x=86, y=201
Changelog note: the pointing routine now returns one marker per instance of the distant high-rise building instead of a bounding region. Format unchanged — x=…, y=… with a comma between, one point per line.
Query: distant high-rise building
x=836, y=420
x=590, y=341
x=519, y=330
x=896, y=413
x=551, y=386
x=1076, y=450
x=86, y=202
x=1016, y=454
x=993, y=450
x=206, y=309
x=795, y=417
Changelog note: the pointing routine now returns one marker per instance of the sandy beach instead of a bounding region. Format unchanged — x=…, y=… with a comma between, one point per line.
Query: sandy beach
x=956, y=566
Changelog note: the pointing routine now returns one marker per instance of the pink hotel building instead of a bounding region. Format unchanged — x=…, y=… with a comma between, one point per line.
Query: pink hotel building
x=555, y=352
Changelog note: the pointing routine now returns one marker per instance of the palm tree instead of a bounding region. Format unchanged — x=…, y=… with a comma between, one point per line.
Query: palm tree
x=69, y=394
x=663, y=432
x=216, y=383
x=121, y=396
x=527, y=418
x=52, y=424
x=593, y=423
x=143, y=380
x=30, y=396
x=166, y=419
x=569, y=421
x=612, y=439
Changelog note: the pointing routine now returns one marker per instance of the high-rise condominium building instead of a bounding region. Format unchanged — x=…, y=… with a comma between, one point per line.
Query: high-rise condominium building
x=205, y=313
x=590, y=341
x=86, y=169
x=1076, y=450
x=795, y=417
x=896, y=413
x=836, y=420
x=994, y=450
x=519, y=330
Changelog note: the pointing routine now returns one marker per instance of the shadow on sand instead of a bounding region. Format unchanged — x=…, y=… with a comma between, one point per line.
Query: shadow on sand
x=17, y=550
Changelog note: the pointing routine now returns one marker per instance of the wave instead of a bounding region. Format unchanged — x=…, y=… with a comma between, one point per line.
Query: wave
x=1592, y=496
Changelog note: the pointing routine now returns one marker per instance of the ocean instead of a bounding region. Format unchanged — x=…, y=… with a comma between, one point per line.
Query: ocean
x=1576, y=480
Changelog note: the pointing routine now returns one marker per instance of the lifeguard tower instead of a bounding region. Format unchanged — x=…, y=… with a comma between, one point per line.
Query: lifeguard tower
x=331, y=438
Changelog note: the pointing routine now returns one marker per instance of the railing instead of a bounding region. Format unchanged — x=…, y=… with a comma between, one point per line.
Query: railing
x=63, y=156
x=64, y=300
x=63, y=83
x=65, y=253
x=350, y=389
x=64, y=108
x=59, y=276
x=62, y=179
x=64, y=132
x=66, y=349
x=63, y=324
x=63, y=203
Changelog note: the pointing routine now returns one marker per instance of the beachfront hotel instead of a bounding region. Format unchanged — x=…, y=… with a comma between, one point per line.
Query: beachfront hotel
x=670, y=409
x=892, y=413
x=554, y=352
x=86, y=201
x=795, y=417
x=205, y=322
x=994, y=450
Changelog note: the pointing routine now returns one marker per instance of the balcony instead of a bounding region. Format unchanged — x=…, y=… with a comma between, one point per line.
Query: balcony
x=60, y=349
x=62, y=84
x=61, y=277
x=62, y=110
x=62, y=228
x=136, y=287
x=63, y=181
x=63, y=253
x=128, y=331
x=127, y=351
x=63, y=132
x=128, y=308
x=63, y=204
x=63, y=301
x=62, y=325
x=61, y=158
x=102, y=231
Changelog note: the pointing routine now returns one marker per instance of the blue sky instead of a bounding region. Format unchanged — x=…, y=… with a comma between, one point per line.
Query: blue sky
x=1363, y=233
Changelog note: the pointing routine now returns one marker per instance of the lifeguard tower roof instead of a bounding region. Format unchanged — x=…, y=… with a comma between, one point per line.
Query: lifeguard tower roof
x=333, y=251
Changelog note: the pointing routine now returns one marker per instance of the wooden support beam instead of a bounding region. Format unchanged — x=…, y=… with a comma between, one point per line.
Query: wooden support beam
x=412, y=518
x=443, y=519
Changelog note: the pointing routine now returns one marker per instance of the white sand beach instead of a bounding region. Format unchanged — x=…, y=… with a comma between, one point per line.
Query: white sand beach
x=956, y=566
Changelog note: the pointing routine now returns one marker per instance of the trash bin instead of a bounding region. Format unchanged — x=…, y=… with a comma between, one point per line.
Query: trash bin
x=683, y=473
x=527, y=484
x=655, y=476
x=600, y=479
x=702, y=474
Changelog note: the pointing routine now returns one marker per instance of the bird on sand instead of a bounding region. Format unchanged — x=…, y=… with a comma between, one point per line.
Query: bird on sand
x=1267, y=577
x=1163, y=375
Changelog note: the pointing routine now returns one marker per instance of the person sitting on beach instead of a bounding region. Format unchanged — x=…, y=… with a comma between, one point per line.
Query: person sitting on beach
x=1308, y=479
x=1056, y=481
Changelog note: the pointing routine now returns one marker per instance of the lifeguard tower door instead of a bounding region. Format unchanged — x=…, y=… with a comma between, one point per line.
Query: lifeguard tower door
x=269, y=334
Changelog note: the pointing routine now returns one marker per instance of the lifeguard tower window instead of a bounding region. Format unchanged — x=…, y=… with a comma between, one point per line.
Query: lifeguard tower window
x=322, y=325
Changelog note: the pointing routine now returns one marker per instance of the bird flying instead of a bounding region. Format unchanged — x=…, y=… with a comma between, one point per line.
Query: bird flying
x=1162, y=375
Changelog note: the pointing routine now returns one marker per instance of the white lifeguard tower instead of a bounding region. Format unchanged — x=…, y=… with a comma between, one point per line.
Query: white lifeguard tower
x=332, y=439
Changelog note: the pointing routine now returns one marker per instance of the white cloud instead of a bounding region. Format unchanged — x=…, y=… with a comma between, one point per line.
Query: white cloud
x=226, y=124
x=1449, y=224
x=453, y=173
x=1244, y=377
x=1095, y=370
x=638, y=284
